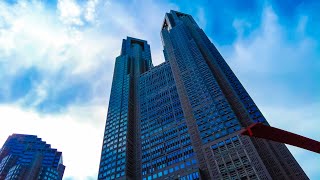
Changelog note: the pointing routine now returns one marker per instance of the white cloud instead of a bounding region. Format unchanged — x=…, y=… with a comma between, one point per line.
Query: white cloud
x=268, y=47
x=50, y=44
x=70, y=12
x=90, y=11
x=31, y=32
x=32, y=36
x=274, y=60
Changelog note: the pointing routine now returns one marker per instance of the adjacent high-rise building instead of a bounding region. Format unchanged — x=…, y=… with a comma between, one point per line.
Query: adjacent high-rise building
x=27, y=157
x=121, y=140
x=182, y=119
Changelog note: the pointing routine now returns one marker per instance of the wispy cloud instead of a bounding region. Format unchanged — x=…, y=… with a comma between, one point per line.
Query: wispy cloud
x=281, y=68
x=70, y=12
x=53, y=52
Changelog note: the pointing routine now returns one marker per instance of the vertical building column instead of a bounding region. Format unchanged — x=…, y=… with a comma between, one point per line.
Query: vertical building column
x=171, y=54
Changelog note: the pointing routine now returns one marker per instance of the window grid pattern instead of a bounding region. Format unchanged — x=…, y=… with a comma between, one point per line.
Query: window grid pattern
x=165, y=142
x=113, y=155
x=234, y=157
x=212, y=112
x=120, y=152
x=193, y=57
x=273, y=154
x=250, y=106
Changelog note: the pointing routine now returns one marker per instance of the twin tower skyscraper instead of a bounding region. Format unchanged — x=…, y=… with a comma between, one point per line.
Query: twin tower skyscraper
x=182, y=118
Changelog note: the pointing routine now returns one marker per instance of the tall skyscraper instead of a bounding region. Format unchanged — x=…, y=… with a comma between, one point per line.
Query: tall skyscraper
x=182, y=119
x=27, y=157
x=121, y=150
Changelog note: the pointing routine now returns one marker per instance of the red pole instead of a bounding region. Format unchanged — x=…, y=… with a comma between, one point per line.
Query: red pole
x=260, y=130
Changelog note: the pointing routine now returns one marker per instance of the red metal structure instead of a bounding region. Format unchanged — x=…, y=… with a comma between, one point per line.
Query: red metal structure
x=260, y=130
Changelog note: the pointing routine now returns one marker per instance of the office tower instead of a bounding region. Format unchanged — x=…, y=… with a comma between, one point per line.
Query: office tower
x=120, y=151
x=27, y=157
x=217, y=106
x=183, y=117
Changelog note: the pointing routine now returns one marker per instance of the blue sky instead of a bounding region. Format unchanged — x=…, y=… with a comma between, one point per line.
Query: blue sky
x=57, y=58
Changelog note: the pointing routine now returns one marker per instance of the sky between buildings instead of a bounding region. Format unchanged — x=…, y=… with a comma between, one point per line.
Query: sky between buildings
x=57, y=60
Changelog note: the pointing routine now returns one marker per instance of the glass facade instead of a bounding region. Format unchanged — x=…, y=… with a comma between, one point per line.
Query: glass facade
x=217, y=107
x=113, y=155
x=28, y=157
x=165, y=141
x=182, y=119
x=119, y=149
